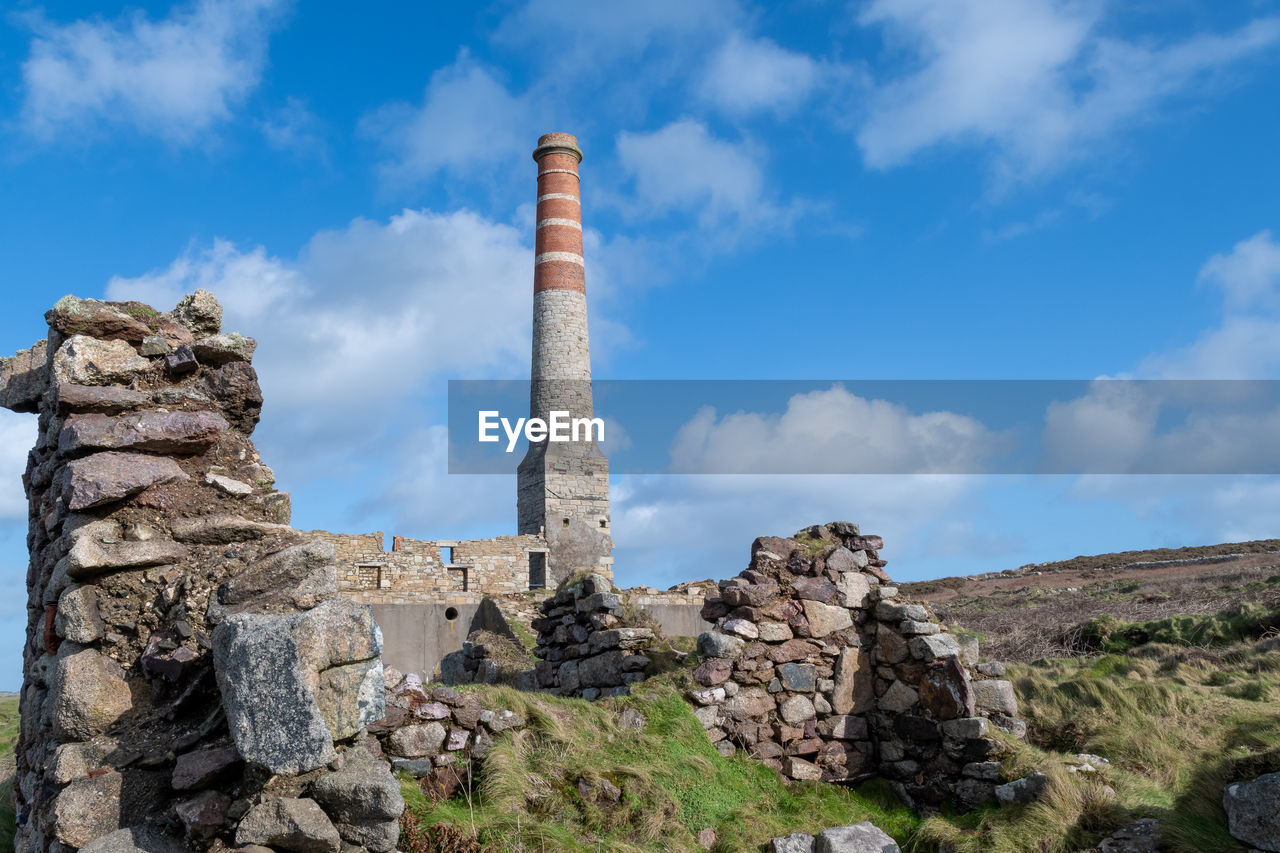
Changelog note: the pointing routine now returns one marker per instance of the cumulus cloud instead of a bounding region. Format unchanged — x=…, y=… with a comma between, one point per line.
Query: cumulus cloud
x=376, y=309
x=684, y=167
x=747, y=75
x=832, y=431
x=587, y=34
x=175, y=77
x=1034, y=81
x=293, y=127
x=17, y=436
x=675, y=528
x=467, y=120
x=1165, y=427
x=1246, y=342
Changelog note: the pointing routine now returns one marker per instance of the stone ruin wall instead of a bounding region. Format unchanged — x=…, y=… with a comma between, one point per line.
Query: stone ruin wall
x=190, y=677
x=415, y=570
x=818, y=669
x=815, y=667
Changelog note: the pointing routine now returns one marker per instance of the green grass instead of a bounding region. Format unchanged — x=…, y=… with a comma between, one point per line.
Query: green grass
x=673, y=781
x=1177, y=724
x=1243, y=622
x=8, y=737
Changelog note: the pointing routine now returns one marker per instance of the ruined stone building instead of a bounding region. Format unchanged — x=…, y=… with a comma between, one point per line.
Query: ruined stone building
x=428, y=594
x=198, y=674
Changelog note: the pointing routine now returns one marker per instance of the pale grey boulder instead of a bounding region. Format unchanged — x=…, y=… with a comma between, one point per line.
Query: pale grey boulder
x=287, y=823
x=1253, y=811
x=859, y=838
x=271, y=710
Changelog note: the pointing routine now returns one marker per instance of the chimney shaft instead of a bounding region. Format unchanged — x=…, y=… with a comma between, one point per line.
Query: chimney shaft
x=558, y=263
x=562, y=489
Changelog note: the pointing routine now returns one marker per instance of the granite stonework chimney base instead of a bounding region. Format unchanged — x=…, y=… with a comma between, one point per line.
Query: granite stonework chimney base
x=562, y=488
x=190, y=679
x=818, y=669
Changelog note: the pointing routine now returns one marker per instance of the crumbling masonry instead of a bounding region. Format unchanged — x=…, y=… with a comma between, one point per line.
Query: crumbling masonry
x=190, y=676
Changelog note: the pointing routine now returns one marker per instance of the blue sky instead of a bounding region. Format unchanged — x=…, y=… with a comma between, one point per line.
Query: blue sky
x=924, y=189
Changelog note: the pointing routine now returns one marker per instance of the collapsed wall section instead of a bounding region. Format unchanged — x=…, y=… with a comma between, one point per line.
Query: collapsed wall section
x=818, y=669
x=189, y=678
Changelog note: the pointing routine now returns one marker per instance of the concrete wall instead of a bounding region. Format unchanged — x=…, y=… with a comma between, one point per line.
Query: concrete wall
x=678, y=620
x=416, y=636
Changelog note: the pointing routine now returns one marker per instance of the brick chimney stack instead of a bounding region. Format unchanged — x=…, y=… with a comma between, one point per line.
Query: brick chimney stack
x=563, y=489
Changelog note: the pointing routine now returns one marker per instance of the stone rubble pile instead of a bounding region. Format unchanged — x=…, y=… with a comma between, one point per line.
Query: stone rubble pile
x=818, y=669
x=585, y=649
x=190, y=677
x=435, y=732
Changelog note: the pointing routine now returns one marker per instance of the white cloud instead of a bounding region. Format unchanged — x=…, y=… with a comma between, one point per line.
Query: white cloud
x=1155, y=427
x=293, y=127
x=1246, y=343
x=1035, y=80
x=175, y=77
x=832, y=431
x=17, y=436
x=675, y=528
x=467, y=121
x=586, y=34
x=684, y=167
x=746, y=75
x=1249, y=274
x=354, y=328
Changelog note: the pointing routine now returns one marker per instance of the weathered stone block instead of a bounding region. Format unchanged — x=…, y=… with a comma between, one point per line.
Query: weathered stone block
x=826, y=619
x=153, y=431
x=78, y=619
x=289, y=824
x=203, y=767
x=898, y=698
x=88, y=693
x=1252, y=816
x=83, y=360
x=796, y=710
x=106, y=477
x=852, y=693
x=271, y=710
x=351, y=697
x=858, y=838
x=713, y=644
x=995, y=697
x=217, y=350
x=935, y=647
x=798, y=677
x=299, y=576
x=417, y=741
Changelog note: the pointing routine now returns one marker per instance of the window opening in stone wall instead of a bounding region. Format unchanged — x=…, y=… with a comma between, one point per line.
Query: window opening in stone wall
x=604, y=523
x=368, y=575
x=458, y=579
x=537, y=570
x=566, y=522
x=446, y=554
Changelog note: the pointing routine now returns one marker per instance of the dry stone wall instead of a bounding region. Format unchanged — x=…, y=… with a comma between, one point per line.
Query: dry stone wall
x=818, y=668
x=191, y=679
x=586, y=649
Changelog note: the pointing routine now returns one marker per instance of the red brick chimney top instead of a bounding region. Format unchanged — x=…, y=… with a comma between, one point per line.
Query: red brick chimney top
x=557, y=143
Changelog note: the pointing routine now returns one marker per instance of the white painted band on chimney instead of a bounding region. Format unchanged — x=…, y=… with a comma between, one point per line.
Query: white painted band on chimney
x=569, y=257
x=565, y=196
x=559, y=172
x=570, y=223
